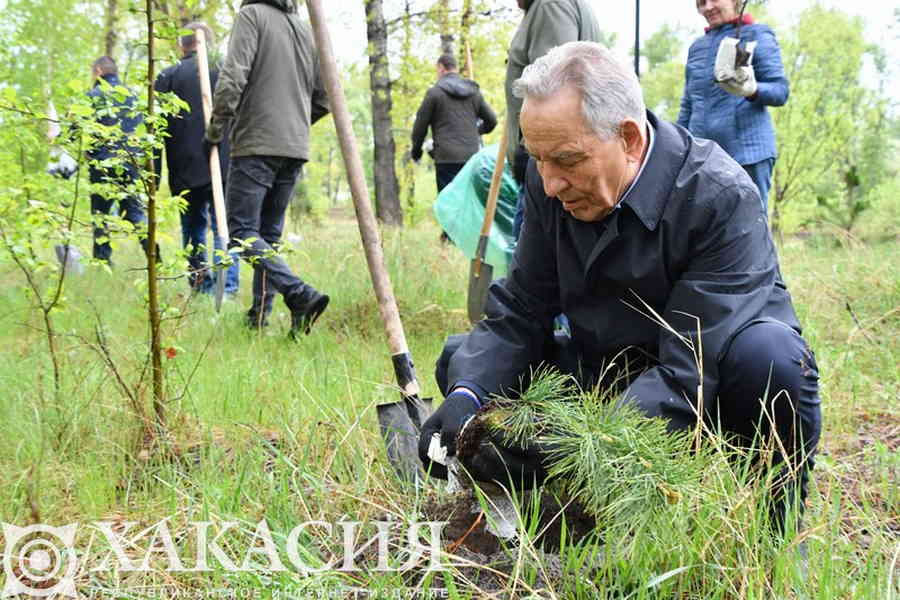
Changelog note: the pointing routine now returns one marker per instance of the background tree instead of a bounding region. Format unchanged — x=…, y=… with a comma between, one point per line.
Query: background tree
x=662, y=77
x=387, y=190
x=832, y=130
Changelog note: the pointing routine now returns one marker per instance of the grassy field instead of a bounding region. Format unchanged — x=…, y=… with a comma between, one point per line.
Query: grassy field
x=262, y=428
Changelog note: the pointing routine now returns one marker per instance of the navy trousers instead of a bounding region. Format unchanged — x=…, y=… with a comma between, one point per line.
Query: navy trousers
x=195, y=221
x=445, y=172
x=761, y=174
x=129, y=206
x=769, y=385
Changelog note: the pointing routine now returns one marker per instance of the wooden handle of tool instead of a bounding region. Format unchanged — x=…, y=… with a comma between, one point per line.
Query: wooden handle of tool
x=470, y=64
x=491, y=207
x=215, y=169
x=368, y=227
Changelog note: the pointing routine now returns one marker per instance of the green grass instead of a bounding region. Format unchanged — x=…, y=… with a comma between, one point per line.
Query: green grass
x=264, y=428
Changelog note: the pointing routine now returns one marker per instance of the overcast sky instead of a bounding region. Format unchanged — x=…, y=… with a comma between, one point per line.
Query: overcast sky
x=619, y=16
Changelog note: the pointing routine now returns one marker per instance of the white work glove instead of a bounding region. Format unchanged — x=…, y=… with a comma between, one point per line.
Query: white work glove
x=64, y=166
x=736, y=80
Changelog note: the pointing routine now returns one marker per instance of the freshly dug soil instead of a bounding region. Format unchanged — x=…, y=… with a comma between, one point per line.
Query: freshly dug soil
x=457, y=512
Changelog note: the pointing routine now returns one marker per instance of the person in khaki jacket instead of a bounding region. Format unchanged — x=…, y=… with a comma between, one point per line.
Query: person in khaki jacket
x=270, y=90
x=546, y=24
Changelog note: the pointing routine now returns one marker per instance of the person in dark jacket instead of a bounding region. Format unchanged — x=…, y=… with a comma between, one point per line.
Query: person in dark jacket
x=734, y=113
x=546, y=24
x=188, y=165
x=111, y=166
x=630, y=217
x=270, y=91
x=457, y=114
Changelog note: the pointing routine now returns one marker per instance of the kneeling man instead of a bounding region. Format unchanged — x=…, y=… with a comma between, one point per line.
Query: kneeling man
x=631, y=221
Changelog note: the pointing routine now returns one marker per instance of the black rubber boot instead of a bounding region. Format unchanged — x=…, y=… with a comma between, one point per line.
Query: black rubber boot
x=305, y=308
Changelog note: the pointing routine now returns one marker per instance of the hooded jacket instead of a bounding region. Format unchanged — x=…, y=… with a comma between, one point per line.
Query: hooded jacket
x=457, y=114
x=270, y=87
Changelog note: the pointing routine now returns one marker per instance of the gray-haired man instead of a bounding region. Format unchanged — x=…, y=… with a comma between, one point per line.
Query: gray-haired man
x=623, y=208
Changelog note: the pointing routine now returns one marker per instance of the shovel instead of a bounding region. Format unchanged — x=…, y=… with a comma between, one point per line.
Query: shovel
x=215, y=170
x=481, y=273
x=399, y=421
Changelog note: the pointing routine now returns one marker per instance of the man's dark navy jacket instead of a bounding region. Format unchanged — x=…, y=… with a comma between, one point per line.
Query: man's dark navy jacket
x=689, y=243
x=187, y=163
x=113, y=109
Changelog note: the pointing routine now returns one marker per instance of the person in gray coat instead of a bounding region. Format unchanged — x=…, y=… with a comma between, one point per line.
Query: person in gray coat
x=270, y=90
x=457, y=114
x=629, y=216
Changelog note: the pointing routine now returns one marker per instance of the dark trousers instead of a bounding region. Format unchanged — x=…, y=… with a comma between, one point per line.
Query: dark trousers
x=260, y=189
x=769, y=384
x=761, y=174
x=445, y=172
x=101, y=207
x=195, y=220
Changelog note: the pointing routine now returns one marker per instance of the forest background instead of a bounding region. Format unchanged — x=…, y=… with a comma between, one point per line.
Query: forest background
x=215, y=424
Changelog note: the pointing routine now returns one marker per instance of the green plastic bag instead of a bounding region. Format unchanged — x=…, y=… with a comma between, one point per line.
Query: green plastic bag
x=459, y=209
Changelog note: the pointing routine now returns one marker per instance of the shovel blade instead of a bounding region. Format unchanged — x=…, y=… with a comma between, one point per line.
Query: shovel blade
x=401, y=435
x=480, y=276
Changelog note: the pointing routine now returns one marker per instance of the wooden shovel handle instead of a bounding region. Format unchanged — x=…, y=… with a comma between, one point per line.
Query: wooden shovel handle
x=368, y=227
x=215, y=169
x=491, y=206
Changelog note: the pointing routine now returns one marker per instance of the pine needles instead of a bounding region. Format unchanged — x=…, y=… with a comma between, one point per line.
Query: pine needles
x=623, y=467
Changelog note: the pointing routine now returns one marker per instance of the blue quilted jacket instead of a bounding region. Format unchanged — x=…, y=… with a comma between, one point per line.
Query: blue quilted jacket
x=742, y=127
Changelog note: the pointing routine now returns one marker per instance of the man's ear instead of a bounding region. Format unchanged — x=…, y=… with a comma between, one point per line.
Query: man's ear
x=632, y=140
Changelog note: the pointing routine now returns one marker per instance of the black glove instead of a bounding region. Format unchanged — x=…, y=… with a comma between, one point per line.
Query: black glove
x=507, y=463
x=416, y=154
x=446, y=420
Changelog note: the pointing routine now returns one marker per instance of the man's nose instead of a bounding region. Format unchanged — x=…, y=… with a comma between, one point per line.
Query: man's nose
x=554, y=182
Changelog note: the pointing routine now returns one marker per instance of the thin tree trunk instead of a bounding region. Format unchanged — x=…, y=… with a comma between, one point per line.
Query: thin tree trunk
x=387, y=194
x=444, y=24
x=465, y=31
x=111, y=36
x=159, y=407
x=409, y=168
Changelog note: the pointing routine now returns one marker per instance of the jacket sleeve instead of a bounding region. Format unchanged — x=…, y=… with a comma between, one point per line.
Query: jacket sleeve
x=319, y=98
x=519, y=311
x=421, y=124
x=727, y=283
x=554, y=24
x=487, y=116
x=772, y=84
x=684, y=115
x=233, y=76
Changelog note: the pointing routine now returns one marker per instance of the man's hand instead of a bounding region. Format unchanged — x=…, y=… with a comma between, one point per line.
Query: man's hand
x=508, y=463
x=416, y=154
x=447, y=421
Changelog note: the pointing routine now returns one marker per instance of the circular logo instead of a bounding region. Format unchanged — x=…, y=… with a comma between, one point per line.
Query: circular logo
x=39, y=560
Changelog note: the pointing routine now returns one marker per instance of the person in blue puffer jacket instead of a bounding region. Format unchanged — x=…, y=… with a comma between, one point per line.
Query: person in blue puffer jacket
x=730, y=113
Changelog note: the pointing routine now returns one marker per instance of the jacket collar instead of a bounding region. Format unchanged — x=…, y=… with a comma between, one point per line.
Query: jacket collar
x=110, y=78
x=745, y=19
x=650, y=192
x=287, y=6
